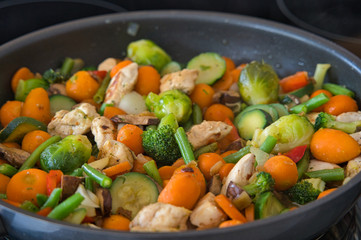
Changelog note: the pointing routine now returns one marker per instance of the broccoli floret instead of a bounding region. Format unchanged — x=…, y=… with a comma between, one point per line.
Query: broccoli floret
x=52, y=76
x=325, y=120
x=161, y=145
x=263, y=183
x=307, y=190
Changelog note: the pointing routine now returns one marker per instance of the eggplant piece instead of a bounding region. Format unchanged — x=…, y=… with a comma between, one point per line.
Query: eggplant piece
x=69, y=185
x=238, y=196
x=14, y=156
x=105, y=200
x=135, y=119
x=236, y=145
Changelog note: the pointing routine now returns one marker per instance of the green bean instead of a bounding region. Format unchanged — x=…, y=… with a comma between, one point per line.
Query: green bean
x=234, y=157
x=184, y=145
x=29, y=206
x=100, y=94
x=88, y=183
x=152, y=170
x=197, y=117
x=66, y=207
x=328, y=175
x=35, y=156
x=98, y=177
x=8, y=170
x=302, y=165
x=53, y=199
x=268, y=144
x=41, y=199
x=67, y=66
x=103, y=106
x=311, y=104
x=206, y=149
x=338, y=90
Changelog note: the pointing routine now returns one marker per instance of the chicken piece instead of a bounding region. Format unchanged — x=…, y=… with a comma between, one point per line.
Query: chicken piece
x=13, y=155
x=107, y=64
x=182, y=80
x=160, y=217
x=316, y=165
x=312, y=116
x=357, y=137
x=122, y=83
x=353, y=167
x=103, y=129
x=206, y=214
x=240, y=173
x=349, y=117
x=117, y=152
x=77, y=121
x=206, y=132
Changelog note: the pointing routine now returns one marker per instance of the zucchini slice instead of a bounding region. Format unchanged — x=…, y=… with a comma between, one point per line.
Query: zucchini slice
x=131, y=192
x=249, y=121
x=17, y=128
x=281, y=109
x=60, y=102
x=265, y=107
x=170, y=68
x=267, y=205
x=211, y=67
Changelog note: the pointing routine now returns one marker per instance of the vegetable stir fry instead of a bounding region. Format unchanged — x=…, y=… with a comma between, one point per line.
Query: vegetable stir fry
x=147, y=143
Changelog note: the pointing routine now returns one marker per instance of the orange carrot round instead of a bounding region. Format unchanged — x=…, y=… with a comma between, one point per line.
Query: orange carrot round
x=148, y=80
x=25, y=185
x=110, y=112
x=199, y=176
x=206, y=161
x=202, y=95
x=225, y=169
x=119, y=66
x=131, y=136
x=4, y=181
x=230, y=223
x=81, y=86
x=317, y=92
x=166, y=172
x=179, y=162
x=340, y=104
x=326, y=192
x=23, y=73
x=283, y=170
x=9, y=111
x=37, y=105
x=116, y=222
x=33, y=139
x=333, y=146
x=218, y=112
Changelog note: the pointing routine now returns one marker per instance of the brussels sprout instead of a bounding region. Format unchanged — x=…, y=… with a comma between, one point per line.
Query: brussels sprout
x=171, y=101
x=146, y=52
x=258, y=83
x=66, y=155
x=290, y=131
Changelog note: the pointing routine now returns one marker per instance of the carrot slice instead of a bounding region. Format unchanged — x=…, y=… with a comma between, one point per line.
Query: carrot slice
x=227, y=206
x=249, y=213
x=117, y=169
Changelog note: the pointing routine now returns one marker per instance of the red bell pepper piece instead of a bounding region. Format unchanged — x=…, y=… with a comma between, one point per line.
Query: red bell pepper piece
x=101, y=74
x=296, y=153
x=53, y=180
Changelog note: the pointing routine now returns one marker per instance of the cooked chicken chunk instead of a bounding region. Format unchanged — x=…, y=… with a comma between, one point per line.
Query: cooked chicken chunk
x=77, y=121
x=240, y=173
x=316, y=165
x=160, y=217
x=13, y=155
x=117, y=152
x=107, y=64
x=103, y=129
x=122, y=83
x=349, y=117
x=206, y=214
x=353, y=167
x=206, y=132
x=183, y=80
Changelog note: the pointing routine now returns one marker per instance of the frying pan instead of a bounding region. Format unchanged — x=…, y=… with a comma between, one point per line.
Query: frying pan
x=184, y=34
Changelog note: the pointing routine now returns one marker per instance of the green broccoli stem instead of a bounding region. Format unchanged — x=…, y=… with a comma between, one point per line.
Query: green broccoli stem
x=8, y=170
x=302, y=165
x=268, y=144
x=347, y=127
x=328, y=175
x=77, y=172
x=35, y=156
x=67, y=66
x=170, y=120
x=88, y=183
x=184, y=145
x=29, y=206
x=98, y=177
x=41, y=199
x=310, y=104
x=3, y=196
x=53, y=199
x=100, y=94
x=320, y=73
x=151, y=127
x=338, y=90
x=152, y=171
x=234, y=157
x=66, y=207
x=197, y=117
x=206, y=149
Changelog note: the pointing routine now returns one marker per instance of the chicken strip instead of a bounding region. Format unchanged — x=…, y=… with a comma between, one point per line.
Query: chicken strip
x=183, y=80
x=103, y=129
x=117, y=152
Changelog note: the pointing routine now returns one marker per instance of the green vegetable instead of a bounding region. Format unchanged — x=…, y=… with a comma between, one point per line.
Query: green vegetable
x=184, y=145
x=302, y=165
x=213, y=147
x=280, y=108
x=67, y=67
x=325, y=120
x=161, y=145
x=306, y=90
x=3, y=196
x=60, y=102
x=328, y=175
x=146, y=52
x=41, y=199
x=260, y=156
x=29, y=206
x=52, y=76
x=258, y=83
x=211, y=67
x=100, y=94
x=103, y=106
x=247, y=123
x=267, y=205
x=169, y=120
x=197, y=117
x=170, y=68
x=77, y=172
x=132, y=191
x=76, y=217
x=307, y=190
x=66, y=155
x=320, y=73
x=268, y=144
x=88, y=183
x=234, y=157
x=8, y=170
x=272, y=111
x=53, y=199
x=263, y=183
x=35, y=156
x=171, y=101
x=66, y=207
x=338, y=90
x=25, y=86
x=310, y=104
x=290, y=130
x=98, y=177
x=152, y=171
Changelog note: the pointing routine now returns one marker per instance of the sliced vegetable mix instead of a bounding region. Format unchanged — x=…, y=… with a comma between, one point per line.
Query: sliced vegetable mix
x=148, y=143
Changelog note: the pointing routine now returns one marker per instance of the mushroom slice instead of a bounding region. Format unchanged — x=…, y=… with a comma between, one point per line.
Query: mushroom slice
x=105, y=200
x=136, y=119
x=14, y=156
x=69, y=185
